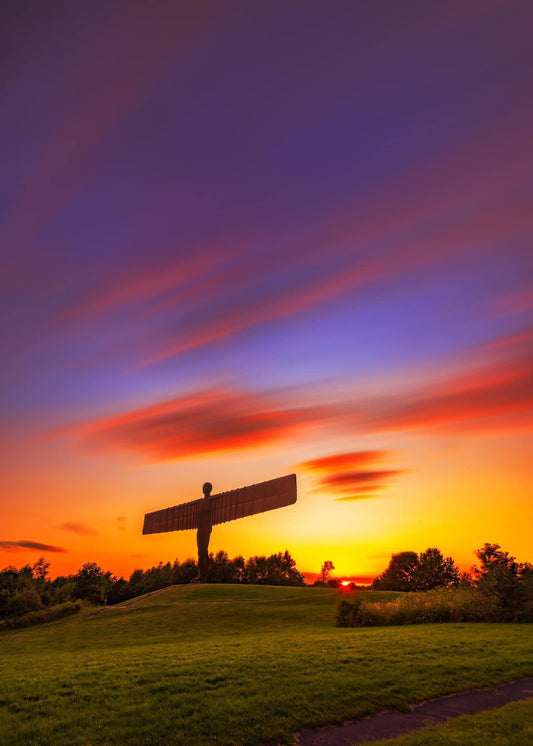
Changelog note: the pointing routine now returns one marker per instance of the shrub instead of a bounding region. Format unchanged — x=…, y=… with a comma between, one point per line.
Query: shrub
x=64, y=592
x=348, y=613
x=23, y=601
x=440, y=605
x=42, y=615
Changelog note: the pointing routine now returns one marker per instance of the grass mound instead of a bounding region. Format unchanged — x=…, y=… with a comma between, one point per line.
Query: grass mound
x=198, y=665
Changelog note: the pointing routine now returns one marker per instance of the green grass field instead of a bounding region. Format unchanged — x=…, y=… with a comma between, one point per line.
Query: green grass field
x=197, y=665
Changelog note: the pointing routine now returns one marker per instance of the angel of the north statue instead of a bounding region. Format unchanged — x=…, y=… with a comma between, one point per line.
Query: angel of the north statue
x=204, y=513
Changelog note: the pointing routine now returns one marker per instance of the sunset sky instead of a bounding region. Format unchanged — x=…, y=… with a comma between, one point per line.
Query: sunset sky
x=245, y=239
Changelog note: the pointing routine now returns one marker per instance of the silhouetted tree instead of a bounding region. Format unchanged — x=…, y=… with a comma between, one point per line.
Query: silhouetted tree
x=63, y=588
x=40, y=569
x=434, y=571
x=490, y=556
x=185, y=572
x=278, y=569
x=400, y=574
x=526, y=593
x=465, y=580
x=21, y=592
x=326, y=570
x=289, y=575
x=407, y=571
x=118, y=592
x=238, y=565
x=255, y=570
x=221, y=568
x=92, y=583
x=499, y=577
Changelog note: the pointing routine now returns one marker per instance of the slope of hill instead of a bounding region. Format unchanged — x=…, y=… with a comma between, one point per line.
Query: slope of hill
x=231, y=665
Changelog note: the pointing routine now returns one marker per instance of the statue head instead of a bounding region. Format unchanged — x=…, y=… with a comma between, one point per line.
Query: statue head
x=206, y=489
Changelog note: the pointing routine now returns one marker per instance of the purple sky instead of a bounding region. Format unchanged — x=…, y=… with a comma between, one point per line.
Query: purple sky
x=317, y=215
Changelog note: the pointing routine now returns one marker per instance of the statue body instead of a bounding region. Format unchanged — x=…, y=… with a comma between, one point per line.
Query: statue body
x=203, y=534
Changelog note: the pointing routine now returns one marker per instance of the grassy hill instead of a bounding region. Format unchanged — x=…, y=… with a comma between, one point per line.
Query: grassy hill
x=193, y=665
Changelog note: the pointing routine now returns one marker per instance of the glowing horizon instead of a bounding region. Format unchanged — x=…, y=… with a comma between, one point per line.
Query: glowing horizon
x=259, y=247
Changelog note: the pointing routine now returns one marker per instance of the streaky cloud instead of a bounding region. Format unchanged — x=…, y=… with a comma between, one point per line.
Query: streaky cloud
x=348, y=474
x=15, y=546
x=206, y=421
x=352, y=498
x=492, y=397
x=368, y=478
x=352, y=459
x=492, y=394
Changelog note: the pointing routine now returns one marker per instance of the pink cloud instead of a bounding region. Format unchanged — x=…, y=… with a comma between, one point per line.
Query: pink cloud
x=479, y=400
x=493, y=395
x=204, y=422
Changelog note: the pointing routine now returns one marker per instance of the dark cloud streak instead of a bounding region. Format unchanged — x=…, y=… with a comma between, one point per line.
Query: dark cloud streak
x=15, y=546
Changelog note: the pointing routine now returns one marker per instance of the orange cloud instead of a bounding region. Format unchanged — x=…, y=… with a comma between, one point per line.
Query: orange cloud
x=344, y=460
x=354, y=481
x=351, y=479
x=203, y=422
x=351, y=498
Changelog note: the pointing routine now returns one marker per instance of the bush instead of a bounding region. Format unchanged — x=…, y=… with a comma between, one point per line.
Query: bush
x=441, y=605
x=23, y=602
x=42, y=615
x=64, y=592
x=348, y=613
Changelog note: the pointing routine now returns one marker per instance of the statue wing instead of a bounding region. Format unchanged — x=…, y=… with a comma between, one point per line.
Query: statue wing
x=225, y=506
x=257, y=498
x=178, y=518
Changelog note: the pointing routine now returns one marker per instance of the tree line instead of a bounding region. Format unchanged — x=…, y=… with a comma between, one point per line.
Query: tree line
x=508, y=584
x=409, y=571
x=30, y=590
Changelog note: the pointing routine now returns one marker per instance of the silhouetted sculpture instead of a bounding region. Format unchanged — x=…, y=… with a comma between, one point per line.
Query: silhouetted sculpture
x=203, y=533
x=204, y=513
